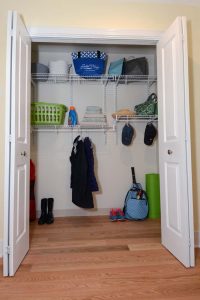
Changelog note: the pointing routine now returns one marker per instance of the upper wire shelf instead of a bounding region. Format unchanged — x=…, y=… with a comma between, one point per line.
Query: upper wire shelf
x=62, y=78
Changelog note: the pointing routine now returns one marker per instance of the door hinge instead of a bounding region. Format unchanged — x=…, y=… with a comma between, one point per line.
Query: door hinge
x=10, y=138
x=8, y=250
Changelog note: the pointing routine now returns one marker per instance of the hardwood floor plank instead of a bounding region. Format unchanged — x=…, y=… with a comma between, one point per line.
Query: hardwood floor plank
x=145, y=246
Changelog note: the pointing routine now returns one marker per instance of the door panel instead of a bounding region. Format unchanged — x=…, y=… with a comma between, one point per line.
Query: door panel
x=172, y=184
x=17, y=217
x=22, y=121
x=175, y=181
x=21, y=202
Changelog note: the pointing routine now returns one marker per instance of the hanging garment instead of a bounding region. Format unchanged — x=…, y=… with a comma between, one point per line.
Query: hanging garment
x=91, y=179
x=32, y=206
x=81, y=194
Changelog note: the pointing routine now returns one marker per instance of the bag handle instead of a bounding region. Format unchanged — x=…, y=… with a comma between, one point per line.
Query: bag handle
x=98, y=54
x=152, y=97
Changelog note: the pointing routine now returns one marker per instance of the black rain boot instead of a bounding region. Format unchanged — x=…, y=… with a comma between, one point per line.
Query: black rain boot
x=50, y=218
x=43, y=218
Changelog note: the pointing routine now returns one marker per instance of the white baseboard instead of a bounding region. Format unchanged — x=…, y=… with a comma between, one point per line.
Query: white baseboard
x=1, y=248
x=197, y=239
x=79, y=212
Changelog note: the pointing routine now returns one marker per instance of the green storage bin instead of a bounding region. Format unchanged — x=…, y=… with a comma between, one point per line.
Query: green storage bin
x=153, y=194
x=43, y=113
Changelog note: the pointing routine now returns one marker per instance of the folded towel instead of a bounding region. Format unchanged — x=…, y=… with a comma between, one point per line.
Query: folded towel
x=93, y=109
x=94, y=119
x=91, y=115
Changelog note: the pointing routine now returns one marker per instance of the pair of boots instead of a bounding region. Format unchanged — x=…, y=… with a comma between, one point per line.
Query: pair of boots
x=46, y=216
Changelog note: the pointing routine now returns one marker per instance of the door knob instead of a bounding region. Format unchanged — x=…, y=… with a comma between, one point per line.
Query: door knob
x=23, y=153
x=169, y=152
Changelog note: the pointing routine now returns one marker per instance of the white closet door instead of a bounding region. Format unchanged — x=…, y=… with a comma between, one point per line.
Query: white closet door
x=16, y=223
x=174, y=144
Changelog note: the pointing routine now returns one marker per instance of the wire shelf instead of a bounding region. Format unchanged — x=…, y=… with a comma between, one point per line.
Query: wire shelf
x=138, y=118
x=104, y=79
x=69, y=128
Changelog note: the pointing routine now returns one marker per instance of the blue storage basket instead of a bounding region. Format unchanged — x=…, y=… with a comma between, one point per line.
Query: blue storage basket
x=89, y=63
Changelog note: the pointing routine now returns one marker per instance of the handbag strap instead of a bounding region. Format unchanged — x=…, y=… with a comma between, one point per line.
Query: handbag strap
x=98, y=54
x=152, y=98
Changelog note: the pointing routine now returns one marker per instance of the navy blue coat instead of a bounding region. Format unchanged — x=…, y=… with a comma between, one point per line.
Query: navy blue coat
x=83, y=181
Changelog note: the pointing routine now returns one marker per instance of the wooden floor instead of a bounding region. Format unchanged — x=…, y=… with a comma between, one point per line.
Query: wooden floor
x=91, y=258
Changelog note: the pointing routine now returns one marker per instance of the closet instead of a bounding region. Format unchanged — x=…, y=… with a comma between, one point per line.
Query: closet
x=51, y=145
x=50, y=149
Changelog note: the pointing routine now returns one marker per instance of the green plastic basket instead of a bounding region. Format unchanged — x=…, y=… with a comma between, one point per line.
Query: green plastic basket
x=43, y=113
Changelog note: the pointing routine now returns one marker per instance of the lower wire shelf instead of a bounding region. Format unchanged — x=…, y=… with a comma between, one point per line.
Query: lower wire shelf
x=136, y=118
x=69, y=128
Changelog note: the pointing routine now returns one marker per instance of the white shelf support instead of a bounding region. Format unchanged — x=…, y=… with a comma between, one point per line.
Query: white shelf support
x=71, y=93
x=104, y=99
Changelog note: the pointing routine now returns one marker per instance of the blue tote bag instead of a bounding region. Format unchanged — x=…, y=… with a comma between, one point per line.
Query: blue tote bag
x=89, y=63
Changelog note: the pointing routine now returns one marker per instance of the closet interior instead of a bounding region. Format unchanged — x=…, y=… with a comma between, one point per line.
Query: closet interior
x=51, y=146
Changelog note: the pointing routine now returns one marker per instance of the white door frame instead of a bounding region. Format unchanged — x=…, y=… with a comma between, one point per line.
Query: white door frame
x=7, y=154
x=92, y=36
x=99, y=36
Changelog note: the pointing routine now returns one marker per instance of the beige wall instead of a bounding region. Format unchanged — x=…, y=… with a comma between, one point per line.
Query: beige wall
x=108, y=14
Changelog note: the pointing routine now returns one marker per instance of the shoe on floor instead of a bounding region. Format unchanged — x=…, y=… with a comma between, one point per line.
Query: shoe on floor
x=113, y=215
x=43, y=218
x=120, y=215
x=50, y=217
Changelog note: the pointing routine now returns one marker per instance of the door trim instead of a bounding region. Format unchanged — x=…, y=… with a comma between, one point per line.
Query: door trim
x=7, y=146
x=91, y=36
x=76, y=35
x=122, y=37
x=188, y=142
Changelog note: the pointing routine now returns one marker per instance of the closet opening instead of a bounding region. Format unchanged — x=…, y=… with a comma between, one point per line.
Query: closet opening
x=51, y=145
